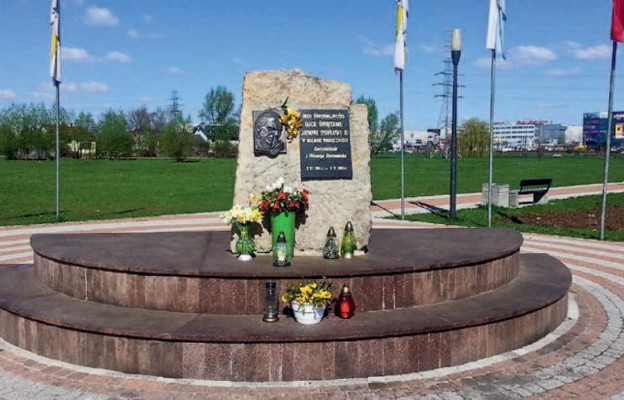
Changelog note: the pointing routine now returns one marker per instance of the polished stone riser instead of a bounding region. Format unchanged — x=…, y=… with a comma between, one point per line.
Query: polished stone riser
x=281, y=361
x=244, y=295
x=243, y=348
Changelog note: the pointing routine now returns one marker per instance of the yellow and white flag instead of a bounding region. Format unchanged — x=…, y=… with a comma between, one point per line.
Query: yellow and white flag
x=401, y=31
x=55, y=47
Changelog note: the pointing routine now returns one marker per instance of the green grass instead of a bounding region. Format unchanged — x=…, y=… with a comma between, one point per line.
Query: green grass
x=103, y=189
x=511, y=217
x=425, y=176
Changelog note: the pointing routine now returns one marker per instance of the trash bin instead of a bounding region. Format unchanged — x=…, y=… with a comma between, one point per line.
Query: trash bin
x=500, y=194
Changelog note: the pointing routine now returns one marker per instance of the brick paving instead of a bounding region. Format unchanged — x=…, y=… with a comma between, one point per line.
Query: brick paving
x=583, y=358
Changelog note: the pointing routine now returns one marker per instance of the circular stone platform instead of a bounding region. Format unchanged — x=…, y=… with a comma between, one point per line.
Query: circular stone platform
x=193, y=271
x=435, y=298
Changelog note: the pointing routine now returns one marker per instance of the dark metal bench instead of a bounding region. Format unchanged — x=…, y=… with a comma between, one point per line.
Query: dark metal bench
x=537, y=187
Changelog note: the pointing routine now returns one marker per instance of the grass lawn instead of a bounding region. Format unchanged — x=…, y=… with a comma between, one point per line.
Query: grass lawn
x=569, y=212
x=425, y=176
x=103, y=189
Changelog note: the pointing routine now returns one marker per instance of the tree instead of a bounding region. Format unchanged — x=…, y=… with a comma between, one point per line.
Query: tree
x=114, y=139
x=139, y=125
x=388, y=131
x=157, y=123
x=473, y=139
x=28, y=131
x=373, y=116
x=218, y=112
x=177, y=139
x=85, y=130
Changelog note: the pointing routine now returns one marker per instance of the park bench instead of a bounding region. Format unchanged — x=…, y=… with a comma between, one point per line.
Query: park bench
x=537, y=187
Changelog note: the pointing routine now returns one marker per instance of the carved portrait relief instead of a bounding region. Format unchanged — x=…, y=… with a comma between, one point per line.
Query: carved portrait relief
x=267, y=131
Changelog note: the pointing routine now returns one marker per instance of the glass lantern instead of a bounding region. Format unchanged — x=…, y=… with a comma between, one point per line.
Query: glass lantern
x=270, y=303
x=280, y=252
x=348, y=245
x=330, y=250
x=345, y=305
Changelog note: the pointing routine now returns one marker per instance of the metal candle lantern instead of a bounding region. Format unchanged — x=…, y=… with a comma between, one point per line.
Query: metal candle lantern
x=270, y=303
x=330, y=250
x=280, y=252
x=345, y=306
x=348, y=245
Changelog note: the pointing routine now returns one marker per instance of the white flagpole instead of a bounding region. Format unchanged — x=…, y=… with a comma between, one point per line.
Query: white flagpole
x=491, y=161
x=55, y=72
x=58, y=153
x=399, y=65
x=402, y=148
x=605, y=183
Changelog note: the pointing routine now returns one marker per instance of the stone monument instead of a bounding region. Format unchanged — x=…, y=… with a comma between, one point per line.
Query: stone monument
x=330, y=157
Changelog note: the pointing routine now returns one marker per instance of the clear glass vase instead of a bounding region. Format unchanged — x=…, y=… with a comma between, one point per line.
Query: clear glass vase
x=245, y=245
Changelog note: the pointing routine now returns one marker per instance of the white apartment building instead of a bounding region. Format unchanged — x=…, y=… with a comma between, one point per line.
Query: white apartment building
x=520, y=135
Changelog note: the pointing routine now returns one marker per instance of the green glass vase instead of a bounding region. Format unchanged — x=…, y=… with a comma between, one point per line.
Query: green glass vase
x=245, y=245
x=284, y=222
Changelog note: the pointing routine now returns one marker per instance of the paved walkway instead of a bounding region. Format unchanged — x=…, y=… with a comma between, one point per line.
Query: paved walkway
x=583, y=358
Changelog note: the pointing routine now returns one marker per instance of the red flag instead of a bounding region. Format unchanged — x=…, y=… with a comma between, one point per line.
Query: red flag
x=617, y=24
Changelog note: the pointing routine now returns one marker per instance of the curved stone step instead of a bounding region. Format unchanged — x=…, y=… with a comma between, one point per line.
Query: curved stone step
x=193, y=272
x=241, y=348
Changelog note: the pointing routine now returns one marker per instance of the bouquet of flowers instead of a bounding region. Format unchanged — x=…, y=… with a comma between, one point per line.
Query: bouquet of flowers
x=279, y=197
x=238, y=215
x=317, y=293
x=291, y=119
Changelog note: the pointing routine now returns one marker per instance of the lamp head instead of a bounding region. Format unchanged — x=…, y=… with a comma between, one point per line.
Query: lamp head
x=456, y=42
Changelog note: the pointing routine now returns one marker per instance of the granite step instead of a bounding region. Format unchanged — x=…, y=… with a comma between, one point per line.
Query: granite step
x=542, y=280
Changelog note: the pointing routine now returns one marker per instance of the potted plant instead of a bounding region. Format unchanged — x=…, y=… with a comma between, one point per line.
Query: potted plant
x=242, y=219
x=282, y=203
x=308, y=300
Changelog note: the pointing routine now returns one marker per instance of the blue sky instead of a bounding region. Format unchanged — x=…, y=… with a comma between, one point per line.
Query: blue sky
x=121, y=54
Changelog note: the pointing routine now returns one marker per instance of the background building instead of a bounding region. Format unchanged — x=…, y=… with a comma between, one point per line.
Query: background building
x=516, y=136
x=550, y=135
x=595, y=126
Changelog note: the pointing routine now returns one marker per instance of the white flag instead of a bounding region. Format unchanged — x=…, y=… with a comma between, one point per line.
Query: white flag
x=55, y=47
x=401, y=31
x=496, y=27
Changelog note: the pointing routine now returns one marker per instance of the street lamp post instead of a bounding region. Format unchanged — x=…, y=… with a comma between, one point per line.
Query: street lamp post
x=455, y=55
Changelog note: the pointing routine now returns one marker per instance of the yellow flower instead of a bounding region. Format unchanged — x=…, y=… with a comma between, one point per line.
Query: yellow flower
x=254, y=198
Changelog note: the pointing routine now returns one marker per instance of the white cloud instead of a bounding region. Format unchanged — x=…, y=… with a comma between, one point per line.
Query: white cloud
x=74, y=54
x=134, y=34
x=92, y=87
x=174, y=70
x=147, y=18
x=562, y=73
x=369, y=48
x=486, y=62
x=429, y=48
x=6, y=94
x=100, y=16
x=118, y=56
x=531, y=55
x=520, y=56
x=151, y=99
x=590, y=53
x=240, y=61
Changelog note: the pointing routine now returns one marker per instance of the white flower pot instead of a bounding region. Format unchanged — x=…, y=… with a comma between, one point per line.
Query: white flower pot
x=307, y=313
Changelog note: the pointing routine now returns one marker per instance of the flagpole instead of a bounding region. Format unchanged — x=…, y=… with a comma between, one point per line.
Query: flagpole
x=605, y=183
x=402, y=148
x=58, y=153
x=491, y=161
